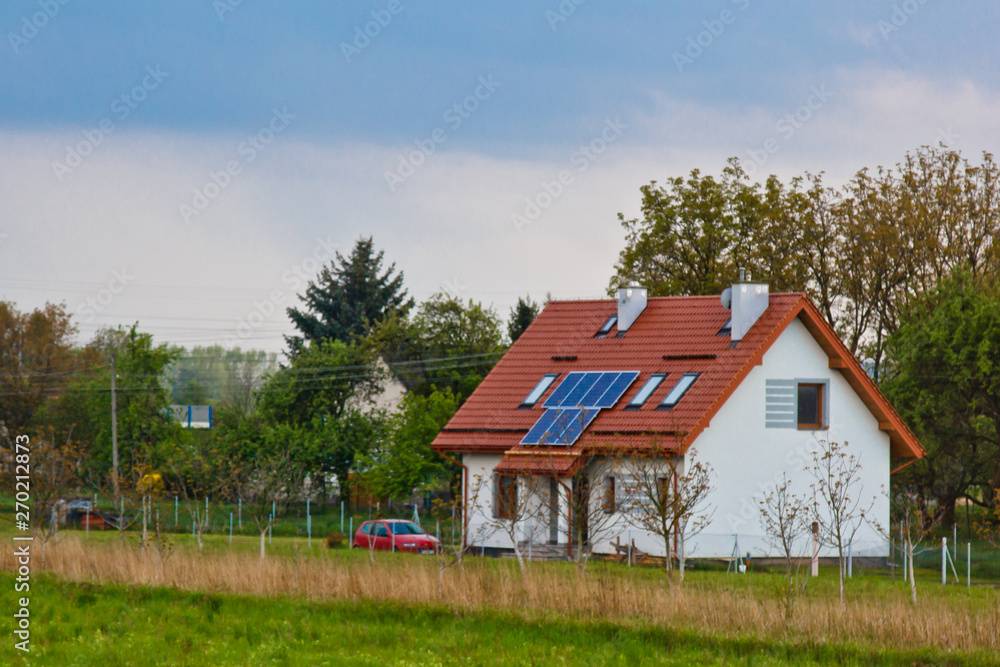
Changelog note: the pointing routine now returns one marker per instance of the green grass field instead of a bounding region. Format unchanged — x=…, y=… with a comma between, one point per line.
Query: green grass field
x=83, y=624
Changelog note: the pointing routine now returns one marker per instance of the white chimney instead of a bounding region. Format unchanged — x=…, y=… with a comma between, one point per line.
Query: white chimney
x=631, y=302
x=749, y=301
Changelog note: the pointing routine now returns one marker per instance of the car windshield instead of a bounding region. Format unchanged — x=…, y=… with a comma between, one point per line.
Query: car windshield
x=406, y=528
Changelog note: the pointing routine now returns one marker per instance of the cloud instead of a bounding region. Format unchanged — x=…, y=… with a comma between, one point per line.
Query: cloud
x=449, y=226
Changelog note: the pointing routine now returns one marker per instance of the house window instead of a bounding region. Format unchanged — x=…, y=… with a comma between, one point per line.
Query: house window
x=606, y=327
x=726, y=329
x=505, y=496
x=810, y=405
x=609, y=495
x=663, y=490
x=539, y=389
x=678, y=391
x=651, y=384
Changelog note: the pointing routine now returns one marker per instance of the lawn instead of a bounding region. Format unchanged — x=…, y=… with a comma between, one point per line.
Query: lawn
x=86, y=624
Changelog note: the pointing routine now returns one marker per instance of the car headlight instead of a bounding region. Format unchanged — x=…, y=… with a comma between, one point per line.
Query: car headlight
x=409, y=544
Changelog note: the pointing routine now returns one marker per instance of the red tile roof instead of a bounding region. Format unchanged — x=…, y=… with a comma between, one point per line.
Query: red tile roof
x=674, y=335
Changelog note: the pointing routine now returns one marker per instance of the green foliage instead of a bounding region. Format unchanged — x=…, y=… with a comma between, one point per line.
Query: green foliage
x=348, y=297
x=145, y=432
x=320, y=382
x=404, y=461
x=448, y=344
x=945, y=381
x=521, y=316
x=696, y=232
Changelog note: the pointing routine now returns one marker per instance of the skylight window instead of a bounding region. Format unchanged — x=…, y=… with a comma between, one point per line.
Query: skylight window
x=651, y=384
x=539, y=389
x=606, y=327
x=726, y=328
x=679, y=390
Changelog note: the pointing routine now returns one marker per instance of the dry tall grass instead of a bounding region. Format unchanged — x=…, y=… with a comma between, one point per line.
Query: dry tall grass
x=871, y=618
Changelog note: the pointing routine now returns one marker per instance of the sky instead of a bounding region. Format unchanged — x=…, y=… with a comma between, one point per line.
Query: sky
x=191, y=165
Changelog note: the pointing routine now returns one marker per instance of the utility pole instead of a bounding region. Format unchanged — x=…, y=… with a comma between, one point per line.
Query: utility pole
x=114, y=429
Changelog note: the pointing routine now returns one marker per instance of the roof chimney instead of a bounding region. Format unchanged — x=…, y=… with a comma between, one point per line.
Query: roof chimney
x=631, y=302
x=749, y=301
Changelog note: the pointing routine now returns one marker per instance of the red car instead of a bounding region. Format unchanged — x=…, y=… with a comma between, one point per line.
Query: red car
x=394, y=535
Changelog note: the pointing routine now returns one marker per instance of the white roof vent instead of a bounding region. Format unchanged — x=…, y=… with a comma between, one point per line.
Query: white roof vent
x=631, y=302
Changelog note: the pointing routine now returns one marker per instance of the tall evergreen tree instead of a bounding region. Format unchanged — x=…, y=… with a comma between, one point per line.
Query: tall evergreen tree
x=347, y=297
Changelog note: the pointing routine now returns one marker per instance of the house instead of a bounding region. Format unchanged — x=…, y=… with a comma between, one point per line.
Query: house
x=749, y=384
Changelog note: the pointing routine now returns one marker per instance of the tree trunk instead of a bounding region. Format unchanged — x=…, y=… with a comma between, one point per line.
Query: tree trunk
x=913, y=581
x=947, y=512
x=262, y=533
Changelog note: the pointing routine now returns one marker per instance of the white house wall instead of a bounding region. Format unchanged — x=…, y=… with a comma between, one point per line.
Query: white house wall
x=748, y=458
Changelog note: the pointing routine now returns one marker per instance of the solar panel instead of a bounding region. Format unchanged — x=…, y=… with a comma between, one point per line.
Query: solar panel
x=544, y=423
x=617, y=387
x=575, y=403
x=575, y=397
x=575, y=426
x=563, y=390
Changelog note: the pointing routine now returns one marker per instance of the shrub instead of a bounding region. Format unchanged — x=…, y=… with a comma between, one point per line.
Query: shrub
x=334, y=540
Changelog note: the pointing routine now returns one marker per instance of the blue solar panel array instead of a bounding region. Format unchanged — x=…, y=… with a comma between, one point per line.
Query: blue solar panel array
x=575, y=403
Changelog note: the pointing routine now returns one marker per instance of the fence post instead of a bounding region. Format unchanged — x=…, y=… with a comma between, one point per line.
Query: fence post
x=944, y=560
x=175, y=511
x=968, y=564
x=850, y=561
x=341, y=516
x=239, y=516
x=309, y=530
x=270, y=522
x=230, y=527
x=630, y=548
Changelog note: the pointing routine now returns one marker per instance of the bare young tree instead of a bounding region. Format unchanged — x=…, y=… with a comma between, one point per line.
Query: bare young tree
x=593, y=509
x=839, y=506
x=786, y=518
x=516, y=501
x=915, y=523
x=668, y=498
x=452, y=551
x=265, y=486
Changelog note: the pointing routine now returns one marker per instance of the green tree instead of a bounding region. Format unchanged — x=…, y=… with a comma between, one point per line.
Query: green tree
x=521, y=316
x=448, y=344
x=403, y=460
x=349, y=296
x=144, y=427
x=944, y=379
x=696, y=232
